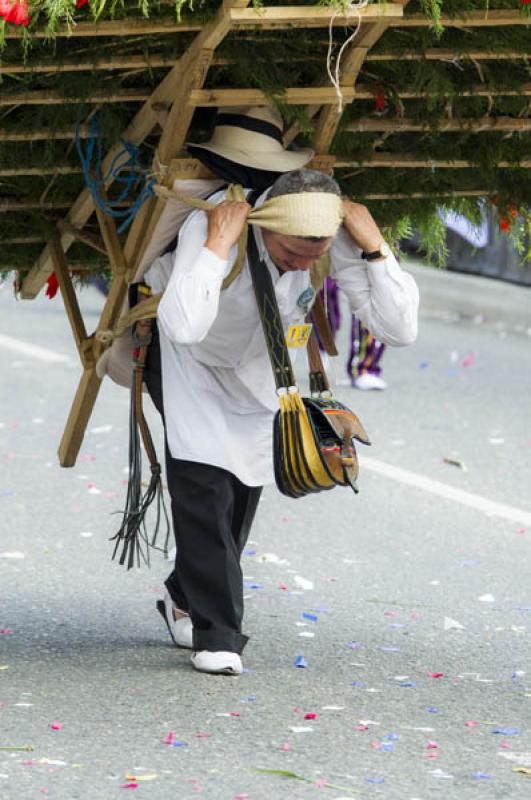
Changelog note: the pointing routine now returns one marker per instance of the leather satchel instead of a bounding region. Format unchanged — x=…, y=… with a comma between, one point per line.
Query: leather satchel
x=313, y=437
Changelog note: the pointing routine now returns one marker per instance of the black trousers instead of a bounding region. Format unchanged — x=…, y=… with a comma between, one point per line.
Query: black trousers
x=212, y=514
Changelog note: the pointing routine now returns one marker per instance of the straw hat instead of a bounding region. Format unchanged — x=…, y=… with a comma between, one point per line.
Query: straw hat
x=252, y=136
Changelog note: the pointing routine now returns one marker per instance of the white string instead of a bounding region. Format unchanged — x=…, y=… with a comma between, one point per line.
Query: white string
x=351, y=5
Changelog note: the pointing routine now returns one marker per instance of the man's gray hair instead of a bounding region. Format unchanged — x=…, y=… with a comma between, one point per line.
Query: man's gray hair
x=304, y=180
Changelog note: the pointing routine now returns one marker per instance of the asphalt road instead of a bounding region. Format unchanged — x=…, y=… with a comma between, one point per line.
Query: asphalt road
x=410, y=604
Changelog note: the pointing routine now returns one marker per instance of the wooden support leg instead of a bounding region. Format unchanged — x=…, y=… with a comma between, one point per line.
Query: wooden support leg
x=80, y=413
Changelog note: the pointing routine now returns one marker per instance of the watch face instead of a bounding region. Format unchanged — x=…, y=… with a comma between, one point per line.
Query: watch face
x=385, y=250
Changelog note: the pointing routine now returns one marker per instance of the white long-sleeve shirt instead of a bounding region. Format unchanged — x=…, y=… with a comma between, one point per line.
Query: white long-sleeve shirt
x=218, y=387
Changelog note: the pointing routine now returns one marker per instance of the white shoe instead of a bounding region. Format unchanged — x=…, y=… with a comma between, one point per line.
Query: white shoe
x=217, y=663
x=181, y=630
x=367, y=381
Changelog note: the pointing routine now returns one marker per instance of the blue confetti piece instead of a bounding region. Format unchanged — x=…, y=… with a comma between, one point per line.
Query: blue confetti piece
x=432, y=710
x=507, y=731
x=391, y=737
x=249, y=552
x=249, y=699
x=375, y=780
x=423, y=365
x=311, y=617
x=479, y=776
x=251, y=585
x=386, y=747
x=7, y=493
x=357, y=683
x=523, y=608
x=179, y=744
x=397, y=625
x=301, y=662
x=408, y=683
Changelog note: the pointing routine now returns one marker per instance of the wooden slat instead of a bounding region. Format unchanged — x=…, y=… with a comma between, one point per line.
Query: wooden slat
x=364, y=92
x=421, y=195
x=43, y=134
x=474, y=125
x=400, y=160
x=321, y=95
x=59, y=169
x=22, y=240
x=446, y=54
x=192, y=168
x=119, y=27
x=69, y=296
x=13, y=206
x=280, y=17
x=52, y=98
x=470, y=19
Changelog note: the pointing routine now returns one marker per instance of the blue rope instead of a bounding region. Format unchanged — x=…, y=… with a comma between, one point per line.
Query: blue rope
x=125, y=170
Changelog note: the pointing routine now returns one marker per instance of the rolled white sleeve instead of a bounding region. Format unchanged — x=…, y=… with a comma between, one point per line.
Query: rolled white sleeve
x=381, y=294
x=190, y=303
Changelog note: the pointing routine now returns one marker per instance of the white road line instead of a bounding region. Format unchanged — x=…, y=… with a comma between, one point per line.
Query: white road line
x=32, y=350
x=469, y=499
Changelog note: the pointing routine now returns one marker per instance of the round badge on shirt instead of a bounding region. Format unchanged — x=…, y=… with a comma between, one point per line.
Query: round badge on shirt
x=306, y=298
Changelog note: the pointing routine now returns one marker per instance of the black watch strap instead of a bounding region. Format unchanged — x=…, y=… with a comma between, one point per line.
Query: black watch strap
x=371, y=256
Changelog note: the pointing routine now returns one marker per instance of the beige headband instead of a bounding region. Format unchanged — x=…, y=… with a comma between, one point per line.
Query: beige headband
x=304, y=214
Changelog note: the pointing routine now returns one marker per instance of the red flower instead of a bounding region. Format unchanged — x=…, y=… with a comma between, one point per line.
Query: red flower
x=513, y=211
x=15, y=11
x=81, y=3
x=51, y=286
x=380, y=102
x=526, y=2
x=505, y=225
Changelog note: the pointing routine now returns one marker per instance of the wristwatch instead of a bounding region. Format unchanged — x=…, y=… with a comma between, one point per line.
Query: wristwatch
x=383, y=251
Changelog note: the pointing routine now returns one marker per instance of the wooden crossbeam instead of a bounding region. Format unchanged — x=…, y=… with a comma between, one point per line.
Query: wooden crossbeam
x=446, y=54
x=56, y=169
x=321, y=95
x=13, y=206
x=23, y=240
x=43, y=134
x=364, y=92
x=210, y=98
x=406, y=161
x=118, y=27
x=473, y=124
x=470, y=19
x=281, y=17
x=422, y=195
x=52, y=98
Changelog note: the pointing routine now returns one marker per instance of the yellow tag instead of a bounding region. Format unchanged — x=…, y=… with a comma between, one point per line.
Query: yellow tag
x=298, y=335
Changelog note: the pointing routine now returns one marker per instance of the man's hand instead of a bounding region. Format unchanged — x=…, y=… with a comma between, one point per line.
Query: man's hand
x=225, y=225
x=361, y=226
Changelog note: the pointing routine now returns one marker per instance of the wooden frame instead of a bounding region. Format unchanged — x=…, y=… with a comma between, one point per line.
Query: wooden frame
x=171, y=106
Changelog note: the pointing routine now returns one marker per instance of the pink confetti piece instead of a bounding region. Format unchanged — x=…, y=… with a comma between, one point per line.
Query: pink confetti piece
x=28, y=762
x=285, y=519
x=470, y=723
x=431, y=745
x=505, y=744
x=391, y=613
x=283, y=586
x=202, y=735
x=129, y=786
x=6, y=631
x=520, y=530
x=56, y=726
x=168, y=739
x=436, y=674
x=432, y=754
x=241, y=797
x=286, y=747
x=361, y=727
x=320, y=783
x=468, y=360
x=235, y=714
x=310, y=715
